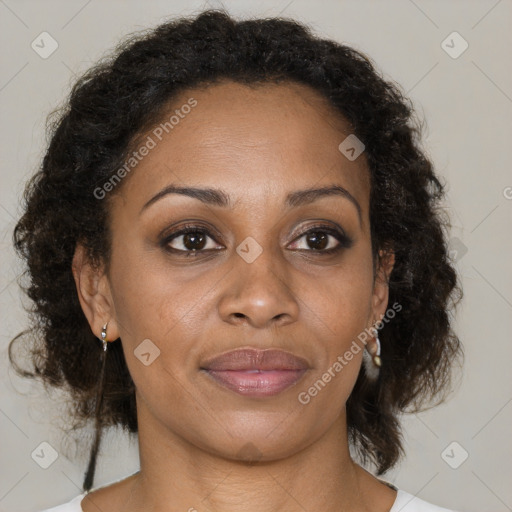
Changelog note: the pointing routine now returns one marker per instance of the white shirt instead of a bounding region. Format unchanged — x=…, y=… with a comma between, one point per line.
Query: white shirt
x=404, y=502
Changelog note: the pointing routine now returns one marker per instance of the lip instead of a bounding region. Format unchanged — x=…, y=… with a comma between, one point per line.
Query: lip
x=253, y=372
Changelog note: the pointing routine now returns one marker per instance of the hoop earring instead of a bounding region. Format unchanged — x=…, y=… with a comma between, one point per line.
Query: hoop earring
x=371, y=358
x=91, y=468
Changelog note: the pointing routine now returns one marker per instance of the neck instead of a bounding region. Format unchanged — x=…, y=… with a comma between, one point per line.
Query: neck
x=177, y=475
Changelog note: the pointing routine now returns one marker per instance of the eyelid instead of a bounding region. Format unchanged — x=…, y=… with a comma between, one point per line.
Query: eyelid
x=326, y=225
x=177, y=228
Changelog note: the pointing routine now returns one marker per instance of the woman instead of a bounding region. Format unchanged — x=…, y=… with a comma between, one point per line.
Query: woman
x=241, y=214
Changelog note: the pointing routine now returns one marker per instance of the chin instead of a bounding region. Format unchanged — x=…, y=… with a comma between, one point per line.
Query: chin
x=257, y=437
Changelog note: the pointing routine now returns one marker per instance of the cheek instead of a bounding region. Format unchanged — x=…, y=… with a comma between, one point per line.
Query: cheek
x=168, y=306
x=147, y=295
x=343, y=297
x=342, y=301
x=342, y=305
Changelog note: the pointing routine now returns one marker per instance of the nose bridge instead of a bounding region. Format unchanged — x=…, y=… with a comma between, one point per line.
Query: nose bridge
x=259, y=263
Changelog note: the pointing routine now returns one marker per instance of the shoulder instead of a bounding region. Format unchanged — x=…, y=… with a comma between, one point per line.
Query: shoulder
x=406, y=502
x=70, y=506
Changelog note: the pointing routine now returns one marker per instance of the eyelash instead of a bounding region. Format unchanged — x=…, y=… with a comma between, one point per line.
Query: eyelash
x=345, y=242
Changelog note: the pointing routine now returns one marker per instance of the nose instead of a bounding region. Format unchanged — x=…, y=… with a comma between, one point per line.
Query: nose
x=259, y=294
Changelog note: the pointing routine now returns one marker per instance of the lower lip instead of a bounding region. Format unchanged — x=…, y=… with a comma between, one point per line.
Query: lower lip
x=261, y=383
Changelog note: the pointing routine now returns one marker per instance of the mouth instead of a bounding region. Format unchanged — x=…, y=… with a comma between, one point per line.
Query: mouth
x=255, y=382
x=256, y=373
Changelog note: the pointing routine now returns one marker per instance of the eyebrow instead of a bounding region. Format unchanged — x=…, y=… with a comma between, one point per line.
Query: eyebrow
x=217, y=197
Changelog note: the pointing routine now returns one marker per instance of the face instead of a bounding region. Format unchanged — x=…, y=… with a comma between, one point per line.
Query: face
x=262, y=266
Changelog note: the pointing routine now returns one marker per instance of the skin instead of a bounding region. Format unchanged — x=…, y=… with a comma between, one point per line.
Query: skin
x=192, y=431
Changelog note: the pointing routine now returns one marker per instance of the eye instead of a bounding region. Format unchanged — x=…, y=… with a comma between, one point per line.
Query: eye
x=190, y=240
x=323, y=240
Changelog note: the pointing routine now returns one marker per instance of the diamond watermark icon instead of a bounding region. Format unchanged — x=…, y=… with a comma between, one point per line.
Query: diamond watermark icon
x=146, y=352
x=249, y=453
x=44, y=455
x=454, y=455
x=44, y=45
x=456, y=249
x=249, y=249
x=351, y=147
x=454, y=45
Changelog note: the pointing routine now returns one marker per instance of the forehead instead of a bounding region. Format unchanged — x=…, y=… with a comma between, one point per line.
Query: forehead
x=255, y=142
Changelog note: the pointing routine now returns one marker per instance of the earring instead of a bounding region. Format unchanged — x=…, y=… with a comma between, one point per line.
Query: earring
x=371, y=358
x=91, y=467
x=104, y=336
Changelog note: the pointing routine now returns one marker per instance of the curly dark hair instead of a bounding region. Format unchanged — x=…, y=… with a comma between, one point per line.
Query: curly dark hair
x=113, y=104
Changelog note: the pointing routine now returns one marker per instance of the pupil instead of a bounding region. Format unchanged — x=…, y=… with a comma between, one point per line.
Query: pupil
x=317, y=238
x=193, y=239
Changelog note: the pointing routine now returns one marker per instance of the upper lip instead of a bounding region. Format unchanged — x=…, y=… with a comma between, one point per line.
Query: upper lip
x=255, y=359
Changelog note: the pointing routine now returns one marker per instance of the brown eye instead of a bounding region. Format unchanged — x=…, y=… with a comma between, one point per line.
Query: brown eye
x=194, y=241
x=324, y=240
x=190, y=239
x=317, y=240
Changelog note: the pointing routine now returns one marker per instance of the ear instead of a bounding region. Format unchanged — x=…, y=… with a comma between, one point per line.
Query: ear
x=94, y=294
x=381, y=289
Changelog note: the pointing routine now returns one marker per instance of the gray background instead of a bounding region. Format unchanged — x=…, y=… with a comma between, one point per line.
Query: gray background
x=467, y=103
